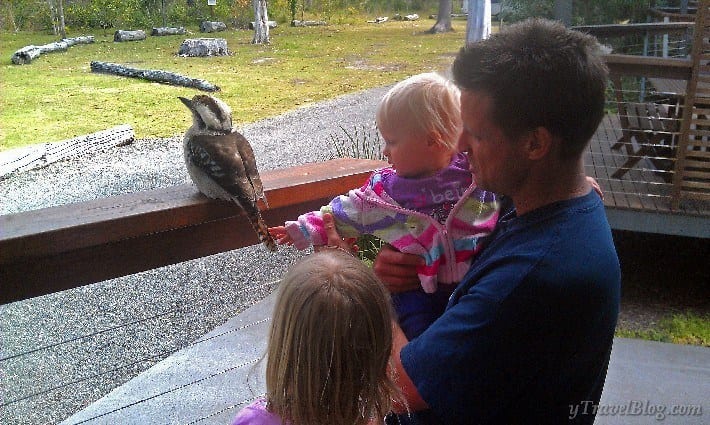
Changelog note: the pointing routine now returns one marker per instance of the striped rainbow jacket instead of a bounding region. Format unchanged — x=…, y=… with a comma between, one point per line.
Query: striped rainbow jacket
x=448, y=249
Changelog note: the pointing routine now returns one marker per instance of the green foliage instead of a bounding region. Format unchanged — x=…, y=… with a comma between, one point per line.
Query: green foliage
x=686, y=328
x=134, y=14
x=597, y=12
x=19, y=15
x=360, y=143
x=518, y=10
x=588, y=12
x=25, y=15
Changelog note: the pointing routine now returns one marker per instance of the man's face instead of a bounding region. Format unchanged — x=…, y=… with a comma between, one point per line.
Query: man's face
x=497, y=163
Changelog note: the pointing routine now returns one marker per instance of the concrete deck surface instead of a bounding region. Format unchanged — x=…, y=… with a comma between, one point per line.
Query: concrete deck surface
x=209, y=381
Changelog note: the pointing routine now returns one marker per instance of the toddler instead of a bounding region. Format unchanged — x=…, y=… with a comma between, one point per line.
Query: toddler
x=329, y=347
x=424, y=203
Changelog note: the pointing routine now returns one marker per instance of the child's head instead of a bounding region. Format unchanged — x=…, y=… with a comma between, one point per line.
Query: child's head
x=420, y=121
x=330, y=343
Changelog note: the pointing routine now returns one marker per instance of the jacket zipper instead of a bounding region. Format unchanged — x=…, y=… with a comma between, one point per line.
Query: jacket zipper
x=449, y=251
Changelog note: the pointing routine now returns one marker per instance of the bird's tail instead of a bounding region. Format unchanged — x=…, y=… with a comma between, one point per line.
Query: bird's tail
x=260, y=228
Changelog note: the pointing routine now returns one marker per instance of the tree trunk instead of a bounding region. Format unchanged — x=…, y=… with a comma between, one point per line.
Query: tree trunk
x=60, y=11
x=443, y=18
x=152, y=75
x=563, y=11
x=478, y=24
x=53, y=17
x=261, y=28
x=162, y=12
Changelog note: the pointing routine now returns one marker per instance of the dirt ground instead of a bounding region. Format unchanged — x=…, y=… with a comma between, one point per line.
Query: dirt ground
x=661, y=276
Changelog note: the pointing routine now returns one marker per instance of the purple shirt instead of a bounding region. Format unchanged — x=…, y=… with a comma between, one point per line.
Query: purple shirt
x=435, y=195
x=256, y=414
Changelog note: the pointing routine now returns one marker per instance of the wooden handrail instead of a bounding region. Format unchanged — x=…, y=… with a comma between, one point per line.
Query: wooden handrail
x=58, y=248
x=649, y=66
x=620, y=30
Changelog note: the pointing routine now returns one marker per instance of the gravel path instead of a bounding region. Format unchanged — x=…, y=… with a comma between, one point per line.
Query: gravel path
x=62, y=351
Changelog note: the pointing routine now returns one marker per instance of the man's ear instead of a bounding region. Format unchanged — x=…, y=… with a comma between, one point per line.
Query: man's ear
x=540, y=143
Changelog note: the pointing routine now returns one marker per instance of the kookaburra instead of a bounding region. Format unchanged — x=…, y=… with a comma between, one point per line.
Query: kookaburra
x=221, y=162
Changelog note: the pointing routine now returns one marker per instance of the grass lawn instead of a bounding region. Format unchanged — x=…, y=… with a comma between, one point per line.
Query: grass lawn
x=57, y=97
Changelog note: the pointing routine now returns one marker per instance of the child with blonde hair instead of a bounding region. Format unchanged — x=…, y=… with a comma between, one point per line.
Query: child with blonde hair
x=329, y=347
x=424, y=203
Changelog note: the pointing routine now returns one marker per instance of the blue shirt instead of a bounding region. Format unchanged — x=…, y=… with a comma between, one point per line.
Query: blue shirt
x=527, y=334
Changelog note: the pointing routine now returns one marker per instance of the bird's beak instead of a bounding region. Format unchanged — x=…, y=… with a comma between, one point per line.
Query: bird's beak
x=186, y=101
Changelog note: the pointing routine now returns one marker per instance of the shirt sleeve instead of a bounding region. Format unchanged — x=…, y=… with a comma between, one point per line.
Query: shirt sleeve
x=348, y=212
x=256, y=414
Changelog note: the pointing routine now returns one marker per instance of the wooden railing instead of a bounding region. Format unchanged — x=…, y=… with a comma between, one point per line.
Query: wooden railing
x=619, y=30
x=648, y=66
x=58, y=248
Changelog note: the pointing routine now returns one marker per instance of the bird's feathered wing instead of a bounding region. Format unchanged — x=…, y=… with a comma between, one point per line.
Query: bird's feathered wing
x=220, y=158
x=249, y=161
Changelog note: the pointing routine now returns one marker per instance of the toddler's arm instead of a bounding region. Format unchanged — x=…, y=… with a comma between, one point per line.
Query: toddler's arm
x=309, y=229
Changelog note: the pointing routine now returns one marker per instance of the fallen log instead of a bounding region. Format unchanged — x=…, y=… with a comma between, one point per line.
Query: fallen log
x=412, y=17
x=208, y=26
x=167, y=31
x=198, y=47
x=379, y=20
x=453, y=15
x=123, y=35
x=29, y=53
x=84, y=39
x=297, y=23
x=26, y=55
x=45, y=154
x=271, y=24
x=152, y=75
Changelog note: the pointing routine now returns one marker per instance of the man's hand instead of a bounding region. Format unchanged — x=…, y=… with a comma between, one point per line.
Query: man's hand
x=397, y=270
x=595, y=185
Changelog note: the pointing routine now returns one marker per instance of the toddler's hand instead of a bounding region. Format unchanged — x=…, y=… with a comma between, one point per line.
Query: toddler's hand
x=281, y=235
x=595, y=185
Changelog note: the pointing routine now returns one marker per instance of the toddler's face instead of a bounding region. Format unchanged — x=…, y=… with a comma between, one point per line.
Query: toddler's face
x=412, y=153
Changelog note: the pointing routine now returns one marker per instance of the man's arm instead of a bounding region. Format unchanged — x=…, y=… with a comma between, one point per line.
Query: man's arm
x=410, y=394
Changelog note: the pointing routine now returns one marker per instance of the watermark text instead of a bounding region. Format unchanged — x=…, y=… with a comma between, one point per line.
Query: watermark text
x=635, y=408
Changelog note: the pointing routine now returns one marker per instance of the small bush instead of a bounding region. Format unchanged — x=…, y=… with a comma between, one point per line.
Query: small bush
x=360, y=143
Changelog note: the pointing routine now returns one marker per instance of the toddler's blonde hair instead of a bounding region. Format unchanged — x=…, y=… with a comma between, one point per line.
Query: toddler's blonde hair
x=330, y=343
x=427, y=104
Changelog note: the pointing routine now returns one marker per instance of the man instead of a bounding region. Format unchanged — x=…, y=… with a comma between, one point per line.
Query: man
x=527, y=334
